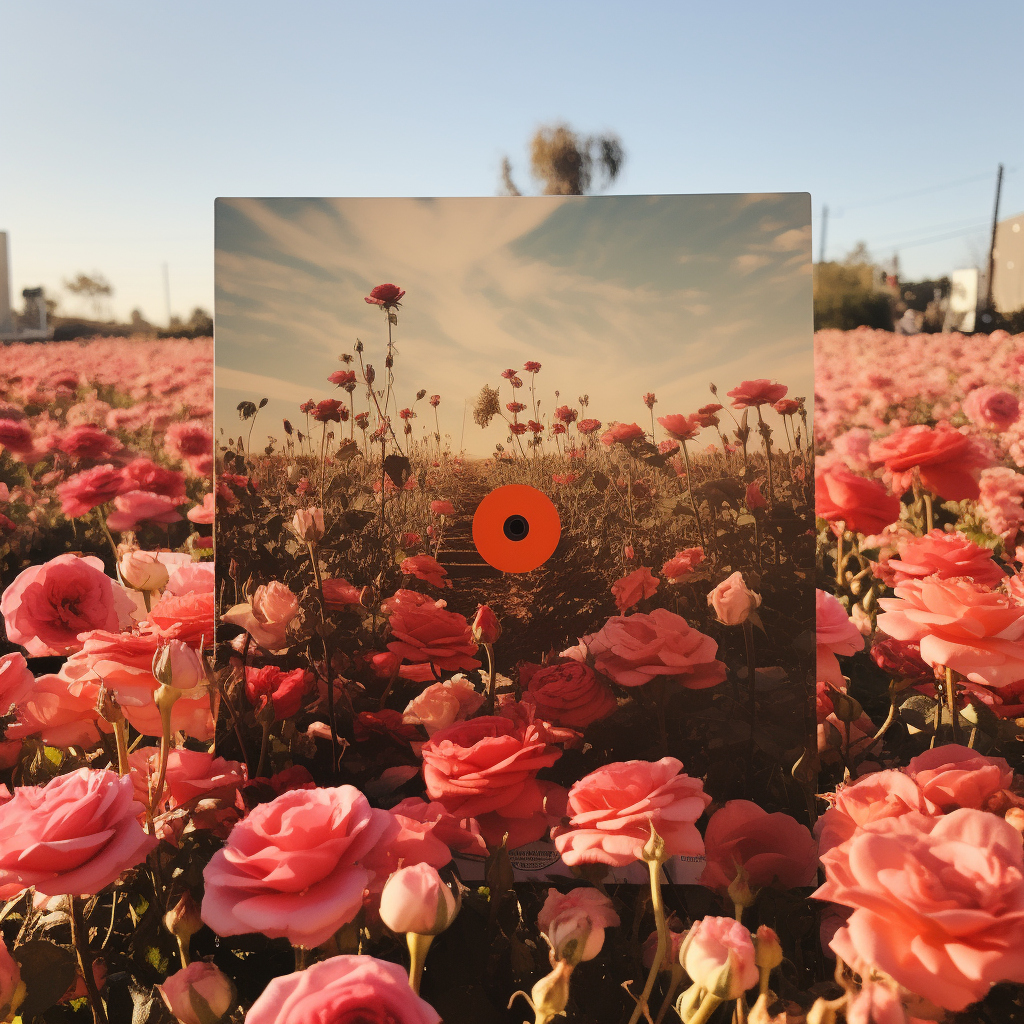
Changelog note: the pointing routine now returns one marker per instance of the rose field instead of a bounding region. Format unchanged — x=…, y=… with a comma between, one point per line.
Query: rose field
x=400, y=786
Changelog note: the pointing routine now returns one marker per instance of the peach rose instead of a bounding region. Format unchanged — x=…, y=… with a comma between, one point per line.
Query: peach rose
x=835, y=634
x=938, y=902
x=215, y=990
x=959, y=625
x=443, y=704
x=574, y=922
x=632, y=650
x=633, y=588
x=71, y=837
x=864, y=505
x=191, y=775
x=426, y=634
x=774, y=849
x=16, y=680
x=60, y=712
x=945, y=555
x=952, y=776
x=682, y=564
x=718, y=953
x=47, y=606
x=292, y=868
x=185, y=610
x=612, y=809
x=732, y=601
x=267, y=616
x=948, y=462
x=343, y=988
x=568, y=693
x=462, y=836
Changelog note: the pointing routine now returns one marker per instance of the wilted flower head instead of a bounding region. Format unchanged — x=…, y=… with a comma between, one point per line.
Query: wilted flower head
x=308, y=407
x=487, y=406
x=435, y=400
x=531, y=367
x=649, y=399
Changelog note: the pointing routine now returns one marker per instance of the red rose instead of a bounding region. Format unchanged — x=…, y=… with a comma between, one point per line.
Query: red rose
x=786, y=406
x=342, y=378
x=587, y=426
x=622, y=433
x=947, y=460
x=682, y=428
x=753, y=393
x=426, y=568
x=682, y=564
x=425, y=633
x=96, y=486
x=328, y=411
x=633, y=588
x=387, y=296
x=486, y=628
x=567, y=693
x=88, y=442
x=16, y=435
x=282, y=690
x=864, y=505
x=339, y=593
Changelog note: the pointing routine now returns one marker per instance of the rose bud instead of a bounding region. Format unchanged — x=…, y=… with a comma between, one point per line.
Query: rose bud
x=199, y=994
x=574, y=923
x=143, y=570
x=718, y=955
x=177, y=665
x=1015, y=817
x=183, y=920
x=486, y=628
x=732, y=601
x=308, y=524
x=767, y=948
x=416, y=900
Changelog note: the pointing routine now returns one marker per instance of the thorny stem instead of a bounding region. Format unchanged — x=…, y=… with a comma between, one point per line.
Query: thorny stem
x=80, y=940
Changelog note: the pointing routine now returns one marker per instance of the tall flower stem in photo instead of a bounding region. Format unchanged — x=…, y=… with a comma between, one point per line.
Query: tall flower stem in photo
x=654, y=856
x=323, y=463
x=315, y=561
x=689, y=492
x=748, y=643
x=80, y=940
x=766, y=436
x=954, y=714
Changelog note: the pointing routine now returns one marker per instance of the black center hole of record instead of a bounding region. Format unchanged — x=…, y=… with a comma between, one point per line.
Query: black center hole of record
x=516, y=528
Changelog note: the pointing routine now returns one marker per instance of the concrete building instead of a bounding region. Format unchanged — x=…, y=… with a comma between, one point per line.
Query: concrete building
x=1008, y=276
x=35, y=305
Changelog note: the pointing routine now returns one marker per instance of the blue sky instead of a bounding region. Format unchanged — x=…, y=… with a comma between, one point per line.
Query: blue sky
x=122, y=121
x=614, y=296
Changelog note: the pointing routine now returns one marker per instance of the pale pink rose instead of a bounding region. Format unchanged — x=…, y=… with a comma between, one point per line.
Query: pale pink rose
x=147, y=570
x=204, y=514
x=191, y=775
x=267, y=616
x=16, y=680
x=952, y=776
x=631, y=650
x=1002, y=501
x=216, y=992
x=574, y=922
x=834, y=634
x=343, y=989
x=73, y=836
x=993, y=408
x=612, y=809
x=938, y=902
x=12, y=988
x=308, y=524
x=47, y=606
x=885, y=794
x=60, y=713
x=774, y=849
x=134, y=507
x=959, y=625
x=291, y=869
x=416, y=900
x=732, y=601
x=633, y=588
x=718, y=953
x=442, y=704
x=944, y=555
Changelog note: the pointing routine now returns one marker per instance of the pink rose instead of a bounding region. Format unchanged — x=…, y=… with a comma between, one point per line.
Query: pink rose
x=938, y=902
x=191, y=442
x=622, y=433
x=343, y=989
x=191, y=775
x=864, y=505
x=875, y=1004
x=149, y=570
x=88, y=442
x=82, y=492
x=732, y=601
x=574, y=923
x=952, y=776
x=959, y=625
x=267, y=616
x=994, y=408
x=16, y=680
x=835, y=634
x=204, y=514
x=426, y=568
x=774, y=849
x=632, y=650
x=292, y=868
x=143, y=474
x=682, y=564
x=416, y=900
x=945, y=555
x=948, y=461
x=71, y=837
x=215, y=990
x=308, y=524
x=612, y=809
x=134, y=507
x=185, y=609
x=425, y=633
x=443, y=704
x=47, y=606
x=60, y=712
x=754, y=393
x=718, y=954
x=463, y=836
x=633, y=588
x=568, y=693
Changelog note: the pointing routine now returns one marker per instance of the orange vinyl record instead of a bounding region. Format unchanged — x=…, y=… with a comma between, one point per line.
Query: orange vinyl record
x=516, y=528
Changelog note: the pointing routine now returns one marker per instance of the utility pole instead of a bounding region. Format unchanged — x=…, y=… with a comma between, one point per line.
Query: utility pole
x=167, y=293
x=992, y=246
x=824, y=233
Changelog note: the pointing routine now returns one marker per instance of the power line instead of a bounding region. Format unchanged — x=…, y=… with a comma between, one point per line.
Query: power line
x=917, y=192
x=934, y=238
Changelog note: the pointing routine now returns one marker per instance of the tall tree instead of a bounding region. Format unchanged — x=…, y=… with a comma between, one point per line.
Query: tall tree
x=565, y=163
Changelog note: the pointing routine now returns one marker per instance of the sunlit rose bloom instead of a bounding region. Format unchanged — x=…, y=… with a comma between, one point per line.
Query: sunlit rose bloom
x=682, y=564
x=754, y=393
x=622, y=433
x=426, y=568
x=948, y=462
x=387, y=296
x=682, y=428
x=588, y=426
x=442, y=704
x=267, y=617
x=425, y=634
x=945, y=555
x=835, y=634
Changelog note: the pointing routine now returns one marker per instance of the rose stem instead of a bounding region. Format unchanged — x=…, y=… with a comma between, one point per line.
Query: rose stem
x=768, y=456
x=110, y=539
x=954, y=715
x=418, y=946
x=927, y=495
x=748, y=641
x=327, y=657
x=654, y=855
x=121, y=738
x=80, y=940
x=839, y=555
x=489, y=648
x=689, y=491
x=264, y=743
x=676, y=979
x=707, y=1007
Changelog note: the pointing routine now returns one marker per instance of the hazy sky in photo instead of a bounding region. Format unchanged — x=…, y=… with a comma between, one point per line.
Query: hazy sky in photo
x=615, y=296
